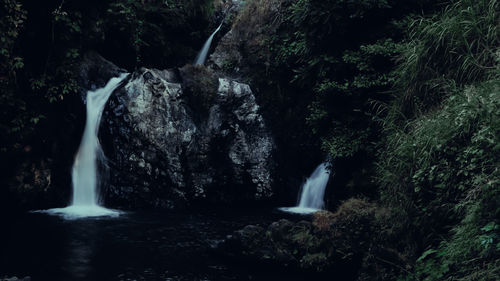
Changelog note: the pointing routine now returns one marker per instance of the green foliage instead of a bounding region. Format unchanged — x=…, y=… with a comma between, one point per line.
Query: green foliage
x=14, y=113
x=459, y=44
x=11, y=25
x=439, y=165
x=468, y=254
x=446, y=168
x=336, y=59
x=149, y=27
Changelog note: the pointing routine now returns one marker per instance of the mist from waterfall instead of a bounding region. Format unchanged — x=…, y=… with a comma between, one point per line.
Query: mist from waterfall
x=85, y=172
x=312, y=192
x=202, y=55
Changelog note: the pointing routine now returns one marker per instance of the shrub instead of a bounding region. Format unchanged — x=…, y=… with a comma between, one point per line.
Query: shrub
x=455, y=47
x=439, y=165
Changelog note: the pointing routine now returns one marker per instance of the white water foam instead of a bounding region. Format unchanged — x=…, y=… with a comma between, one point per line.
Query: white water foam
x=77, y=212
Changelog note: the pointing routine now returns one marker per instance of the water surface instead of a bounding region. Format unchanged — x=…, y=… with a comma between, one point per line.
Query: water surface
x=134, y=246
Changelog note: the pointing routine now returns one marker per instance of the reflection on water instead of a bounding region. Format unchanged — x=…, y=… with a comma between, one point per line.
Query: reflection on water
x=80, y=248
x=130, y=247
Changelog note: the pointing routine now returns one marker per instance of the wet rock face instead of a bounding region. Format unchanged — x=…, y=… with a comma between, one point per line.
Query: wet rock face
x=170, y=145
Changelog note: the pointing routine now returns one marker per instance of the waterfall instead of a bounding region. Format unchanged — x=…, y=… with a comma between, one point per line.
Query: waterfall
x=202, y=55
x=312, y=192
x=85, y=174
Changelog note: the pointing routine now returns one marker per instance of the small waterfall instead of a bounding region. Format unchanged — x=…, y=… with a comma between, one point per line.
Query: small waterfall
x=202, y=55
x=312, y=192
x=85, y=174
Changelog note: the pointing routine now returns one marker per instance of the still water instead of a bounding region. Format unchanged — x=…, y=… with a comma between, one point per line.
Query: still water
x=134, y=246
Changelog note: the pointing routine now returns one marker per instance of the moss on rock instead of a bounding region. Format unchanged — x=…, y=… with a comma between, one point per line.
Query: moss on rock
x=347, y=242
x=200, y=86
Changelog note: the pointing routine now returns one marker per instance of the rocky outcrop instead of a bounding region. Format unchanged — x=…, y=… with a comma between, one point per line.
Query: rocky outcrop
x=245, y=48
x=94, y=71
x=174, y=138
x=351, y=242
x=250, y=50
x=226, y=9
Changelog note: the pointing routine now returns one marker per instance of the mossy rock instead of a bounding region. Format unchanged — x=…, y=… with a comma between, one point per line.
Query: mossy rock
x=200, y=85
x=348, y=241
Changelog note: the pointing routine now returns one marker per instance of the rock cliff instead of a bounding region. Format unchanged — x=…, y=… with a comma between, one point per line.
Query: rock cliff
x=176, y=137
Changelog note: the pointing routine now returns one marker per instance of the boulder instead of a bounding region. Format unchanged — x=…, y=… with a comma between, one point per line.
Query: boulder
x=351, y=243
x=255, y=243
x=180, y=137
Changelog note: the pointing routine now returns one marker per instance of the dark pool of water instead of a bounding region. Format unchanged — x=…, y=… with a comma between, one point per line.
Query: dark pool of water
x=135, y=246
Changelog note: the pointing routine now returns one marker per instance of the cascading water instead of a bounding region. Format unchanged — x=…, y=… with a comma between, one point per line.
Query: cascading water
x=313, y=192
x=202, y=55
x=85, y=176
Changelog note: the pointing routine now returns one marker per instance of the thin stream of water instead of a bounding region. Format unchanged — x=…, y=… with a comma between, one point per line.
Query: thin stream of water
x=202, y=55
x=312, y=192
